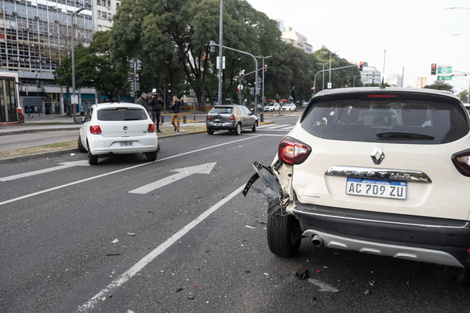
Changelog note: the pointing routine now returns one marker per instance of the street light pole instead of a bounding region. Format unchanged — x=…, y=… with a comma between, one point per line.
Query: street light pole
x=221, y=19
x=73, y=59
x=262, y=93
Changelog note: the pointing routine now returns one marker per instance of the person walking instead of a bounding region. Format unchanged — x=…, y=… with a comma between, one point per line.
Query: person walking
x=156, y=106
x=143, y=101
x=175, y=107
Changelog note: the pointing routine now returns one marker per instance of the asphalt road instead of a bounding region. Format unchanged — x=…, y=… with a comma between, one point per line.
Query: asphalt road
x=132, y=236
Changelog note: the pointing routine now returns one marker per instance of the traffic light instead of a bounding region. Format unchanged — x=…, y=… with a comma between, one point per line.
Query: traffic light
x=361, y=65
x=265, y=67
x=433, y=69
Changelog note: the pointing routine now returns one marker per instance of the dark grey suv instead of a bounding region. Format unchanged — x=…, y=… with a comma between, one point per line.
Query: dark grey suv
x=384, y=171
x=230, y=117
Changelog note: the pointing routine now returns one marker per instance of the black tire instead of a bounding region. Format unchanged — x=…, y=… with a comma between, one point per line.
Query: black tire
x=284, y=235
x=238, y=129
x=210, y=131
x=92, y=159
x=151, y=156
x=254, y=127
x=81, y=148
x=462, y=276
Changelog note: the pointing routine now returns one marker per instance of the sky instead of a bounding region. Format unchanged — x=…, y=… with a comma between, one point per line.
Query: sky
x=390, y=35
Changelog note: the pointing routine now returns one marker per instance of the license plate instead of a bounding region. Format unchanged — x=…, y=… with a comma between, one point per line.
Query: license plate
x=125, y=143
x=217, y=124
x=376, y=188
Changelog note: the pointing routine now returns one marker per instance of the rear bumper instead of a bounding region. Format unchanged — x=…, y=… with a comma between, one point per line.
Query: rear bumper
x=221, y=125
x=100, y=145
x=433, y=240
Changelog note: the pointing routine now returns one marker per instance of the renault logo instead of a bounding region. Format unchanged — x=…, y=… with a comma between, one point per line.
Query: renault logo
x=377, y=155
x=125, y=128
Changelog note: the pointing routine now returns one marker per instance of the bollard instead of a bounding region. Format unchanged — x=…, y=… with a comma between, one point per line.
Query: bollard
x=162, y=119
x=184, y=119
x=261, y=118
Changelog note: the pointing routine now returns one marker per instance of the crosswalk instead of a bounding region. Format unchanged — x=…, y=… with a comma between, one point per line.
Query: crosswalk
x=276, y=127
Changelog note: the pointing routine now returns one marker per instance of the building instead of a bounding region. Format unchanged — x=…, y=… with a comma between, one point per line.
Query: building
x=370, y=75
x=296, y=39
x=35, y=35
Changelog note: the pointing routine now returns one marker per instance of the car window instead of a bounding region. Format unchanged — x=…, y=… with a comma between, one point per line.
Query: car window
x=121, y=114
x=407, y=121
x=222, y=110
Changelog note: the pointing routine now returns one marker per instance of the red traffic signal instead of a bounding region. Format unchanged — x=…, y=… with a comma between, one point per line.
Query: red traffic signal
x=433, y=68
x=361, y=65
x=265, y=67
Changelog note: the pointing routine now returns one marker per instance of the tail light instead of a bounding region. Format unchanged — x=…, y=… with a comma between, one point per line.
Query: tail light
x=208, y=118
x=292, y=151
x=151, y=128
x=232, y=117
x=95, y=130
x=461, y=161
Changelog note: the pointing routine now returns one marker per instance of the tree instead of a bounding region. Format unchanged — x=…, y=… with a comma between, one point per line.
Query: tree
x=439, y=85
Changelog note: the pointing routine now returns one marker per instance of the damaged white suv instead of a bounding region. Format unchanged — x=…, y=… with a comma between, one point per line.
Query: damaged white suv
x=377, y=170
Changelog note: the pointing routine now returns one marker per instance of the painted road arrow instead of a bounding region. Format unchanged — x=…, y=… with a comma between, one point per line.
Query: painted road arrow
x=46, y=170
x=182, y=173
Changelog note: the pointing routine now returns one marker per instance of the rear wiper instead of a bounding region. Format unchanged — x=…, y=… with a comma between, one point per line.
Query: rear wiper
x=404, y=135
x=132, y=119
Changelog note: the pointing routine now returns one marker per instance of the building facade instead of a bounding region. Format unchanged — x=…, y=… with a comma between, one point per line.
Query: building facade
x=370, y=75
x=35, y=36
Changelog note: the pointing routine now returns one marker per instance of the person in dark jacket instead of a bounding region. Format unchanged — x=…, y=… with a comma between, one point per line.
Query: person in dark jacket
x=156, y=106
x=175, y=107
x=143, y=101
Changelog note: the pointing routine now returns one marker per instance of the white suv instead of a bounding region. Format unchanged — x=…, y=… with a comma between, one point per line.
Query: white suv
x=377, y=170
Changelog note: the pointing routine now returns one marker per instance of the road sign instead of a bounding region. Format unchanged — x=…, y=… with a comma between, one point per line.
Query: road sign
x=240, y=87
x=444, y=77
x=444, y=70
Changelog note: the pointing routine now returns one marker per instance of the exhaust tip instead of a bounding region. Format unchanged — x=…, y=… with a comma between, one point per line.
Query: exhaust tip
x=317, y=241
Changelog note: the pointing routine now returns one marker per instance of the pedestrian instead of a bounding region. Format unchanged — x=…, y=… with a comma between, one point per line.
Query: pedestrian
x=175, y=107
x=156, y=106
x=143, y=101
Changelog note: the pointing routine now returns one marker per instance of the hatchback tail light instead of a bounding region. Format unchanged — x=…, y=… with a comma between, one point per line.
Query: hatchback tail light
x=208, y=117
x=292, y=151
x=152, y=128
x=232, y=117
x=95, y=130
x=461, y=161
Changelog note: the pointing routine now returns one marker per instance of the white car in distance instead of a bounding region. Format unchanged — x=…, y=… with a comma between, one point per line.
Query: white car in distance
x=117, y=128
x=272, y=106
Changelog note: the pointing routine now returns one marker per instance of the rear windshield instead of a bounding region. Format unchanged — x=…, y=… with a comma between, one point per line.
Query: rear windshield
x=121, y=114
x=404, y=121
x=221, y=110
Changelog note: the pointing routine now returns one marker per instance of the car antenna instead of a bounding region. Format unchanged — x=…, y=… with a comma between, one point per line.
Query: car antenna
x=382, y=86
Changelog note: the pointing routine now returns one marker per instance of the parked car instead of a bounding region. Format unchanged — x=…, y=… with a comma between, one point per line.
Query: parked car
x=117, y=128
x=230, y=117
x=289, y=107
x=380, y=171
x=272, y=106
x=259, y=108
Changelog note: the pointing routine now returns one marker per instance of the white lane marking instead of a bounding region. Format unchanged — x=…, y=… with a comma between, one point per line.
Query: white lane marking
x=122, y=170
x=182, y=173
x=47, y=170
x=124, y=277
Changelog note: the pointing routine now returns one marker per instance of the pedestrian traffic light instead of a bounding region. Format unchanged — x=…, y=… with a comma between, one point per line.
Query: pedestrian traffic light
x=361, y=65
x=433, y=68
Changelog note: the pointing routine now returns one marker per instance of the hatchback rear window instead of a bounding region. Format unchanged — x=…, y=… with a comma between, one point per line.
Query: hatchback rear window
x=387, y=120
x=121, y=114
x=221, y=110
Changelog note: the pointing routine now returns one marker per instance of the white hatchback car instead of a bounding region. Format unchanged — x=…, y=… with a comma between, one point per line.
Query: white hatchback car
x=117, y=128
x=376, y=170
x=289, y=107
x=273, y=106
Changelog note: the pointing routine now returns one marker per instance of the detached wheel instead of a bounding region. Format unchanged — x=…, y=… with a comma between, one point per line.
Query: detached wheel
x=254, y=128
x=210, y=131
x=81, y=148
x=238, y=129
x=284, y=235
x=92, y=159
x=462, y=276
x=151, y=156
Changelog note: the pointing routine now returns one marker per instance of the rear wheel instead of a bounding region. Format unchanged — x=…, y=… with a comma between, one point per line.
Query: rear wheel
x=210, y=131
x=284, y=235
x=238, y=129
x=92, y=159
x=151, y=156
x=81, y=148
x=463, y=276
x=254, y=127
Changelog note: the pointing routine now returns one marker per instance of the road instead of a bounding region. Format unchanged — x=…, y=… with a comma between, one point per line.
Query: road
x=176, y=235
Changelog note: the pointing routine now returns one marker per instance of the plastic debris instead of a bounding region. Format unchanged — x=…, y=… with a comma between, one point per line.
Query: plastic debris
x=130, y=234
x=179, y=289
x=323, y=286
x=302, y=275
x=115, y=241
x=112, y=254
x=366, y=292
x=249, y=227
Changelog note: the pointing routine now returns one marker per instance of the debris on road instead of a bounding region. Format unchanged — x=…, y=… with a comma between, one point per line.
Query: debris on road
x=115, y=241
x=323, y=286
x=302, y=275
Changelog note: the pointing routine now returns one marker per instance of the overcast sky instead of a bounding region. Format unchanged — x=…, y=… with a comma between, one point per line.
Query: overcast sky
x=413, y=33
